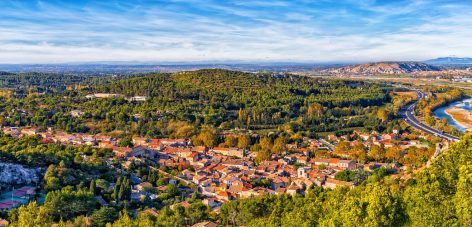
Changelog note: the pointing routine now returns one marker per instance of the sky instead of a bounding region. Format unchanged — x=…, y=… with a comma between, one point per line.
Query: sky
x=50, y=31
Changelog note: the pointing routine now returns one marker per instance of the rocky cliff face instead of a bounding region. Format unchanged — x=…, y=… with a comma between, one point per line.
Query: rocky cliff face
x=384, y=68
x=13, y=174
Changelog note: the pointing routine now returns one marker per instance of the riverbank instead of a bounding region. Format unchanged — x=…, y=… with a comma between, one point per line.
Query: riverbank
x=461, y=116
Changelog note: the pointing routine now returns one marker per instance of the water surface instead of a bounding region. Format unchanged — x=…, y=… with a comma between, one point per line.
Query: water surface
x=463, y=104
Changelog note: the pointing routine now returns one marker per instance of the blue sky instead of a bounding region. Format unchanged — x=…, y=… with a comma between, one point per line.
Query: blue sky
x=52, y=31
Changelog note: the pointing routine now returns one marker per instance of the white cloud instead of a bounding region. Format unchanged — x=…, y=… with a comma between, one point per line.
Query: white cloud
x=238, y=31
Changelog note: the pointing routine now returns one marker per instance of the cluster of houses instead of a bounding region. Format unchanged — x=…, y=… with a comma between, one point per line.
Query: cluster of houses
x=224, y=174
x=110, y=95
x=386, y=140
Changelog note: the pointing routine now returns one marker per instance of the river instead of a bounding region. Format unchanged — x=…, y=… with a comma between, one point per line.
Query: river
x=463, y=104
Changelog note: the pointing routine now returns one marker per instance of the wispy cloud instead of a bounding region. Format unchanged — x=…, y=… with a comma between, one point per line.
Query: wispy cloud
x=191, y=30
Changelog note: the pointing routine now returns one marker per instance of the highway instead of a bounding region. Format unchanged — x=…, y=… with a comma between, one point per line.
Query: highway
x=407, y=113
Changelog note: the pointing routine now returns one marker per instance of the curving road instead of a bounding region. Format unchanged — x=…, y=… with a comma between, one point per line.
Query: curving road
x=406, y=113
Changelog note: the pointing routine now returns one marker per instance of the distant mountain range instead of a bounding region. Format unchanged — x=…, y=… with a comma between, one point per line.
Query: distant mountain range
x=436, y=65
x=129, y=67
x=449, y=61
x=383, y=68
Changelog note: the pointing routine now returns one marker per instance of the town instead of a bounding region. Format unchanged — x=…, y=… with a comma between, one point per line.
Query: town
x=224, y=174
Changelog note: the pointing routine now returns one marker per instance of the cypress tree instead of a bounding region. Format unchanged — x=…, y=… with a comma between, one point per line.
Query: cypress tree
x=92, y=186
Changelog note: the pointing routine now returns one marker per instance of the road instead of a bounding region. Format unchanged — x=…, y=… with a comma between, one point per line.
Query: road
x=407, y=114
x=330, y=147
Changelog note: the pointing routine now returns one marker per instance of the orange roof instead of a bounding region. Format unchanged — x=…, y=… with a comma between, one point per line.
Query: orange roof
x=219, y=167
x=333, y=160
x=185, y=204
x=199, y=148
x=224, y=194
x=151, y=212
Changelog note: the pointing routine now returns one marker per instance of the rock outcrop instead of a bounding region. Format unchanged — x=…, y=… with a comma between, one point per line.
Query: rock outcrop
x=14, y=174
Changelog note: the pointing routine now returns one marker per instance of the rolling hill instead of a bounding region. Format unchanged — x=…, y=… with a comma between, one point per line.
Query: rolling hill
x=377, y=68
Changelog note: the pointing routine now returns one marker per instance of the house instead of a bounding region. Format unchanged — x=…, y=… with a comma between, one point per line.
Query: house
x=280, y=191
x=137, y=99
x=105, y=144
x=347, y=164
x=224, y=196
x=12, y=131
x=202, y=163
x=102, y=95
x=293, y=189
x=3, y=222
x=103, y=138
x=198, y=179
x=238, y=186
x=141, y=151
x=192, y=158
x=140, y=141
x=390, y=136
x=121, y=151
x=205, y=224
x=236, y=163
x=151, y=211
x=364, y=136
x=385, y=143
x=263, y=191
x=183, y=152
x=256, y=192
x=332, y=137
x=155, y=145
x=285, y=161
x=200, y=149
x=29, y=131
x=76, y=113
x=174, y=142
x=64, y=138
x=236, y=152
x=333, y=183
x=89, y=140
x=302, y=159
x=279, y=182
x=211, y=202
x=333, y=162
x=321, y=161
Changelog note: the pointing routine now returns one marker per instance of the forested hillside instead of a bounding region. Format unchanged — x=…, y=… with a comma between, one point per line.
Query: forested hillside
x=236, y=89
x=219, y=98
x=440, y=195
x=46, y=80
x=257, y=101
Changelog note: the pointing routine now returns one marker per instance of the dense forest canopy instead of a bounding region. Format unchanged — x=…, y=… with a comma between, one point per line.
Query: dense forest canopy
x=241, y=90
x=220, y=98
x=27, y=82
